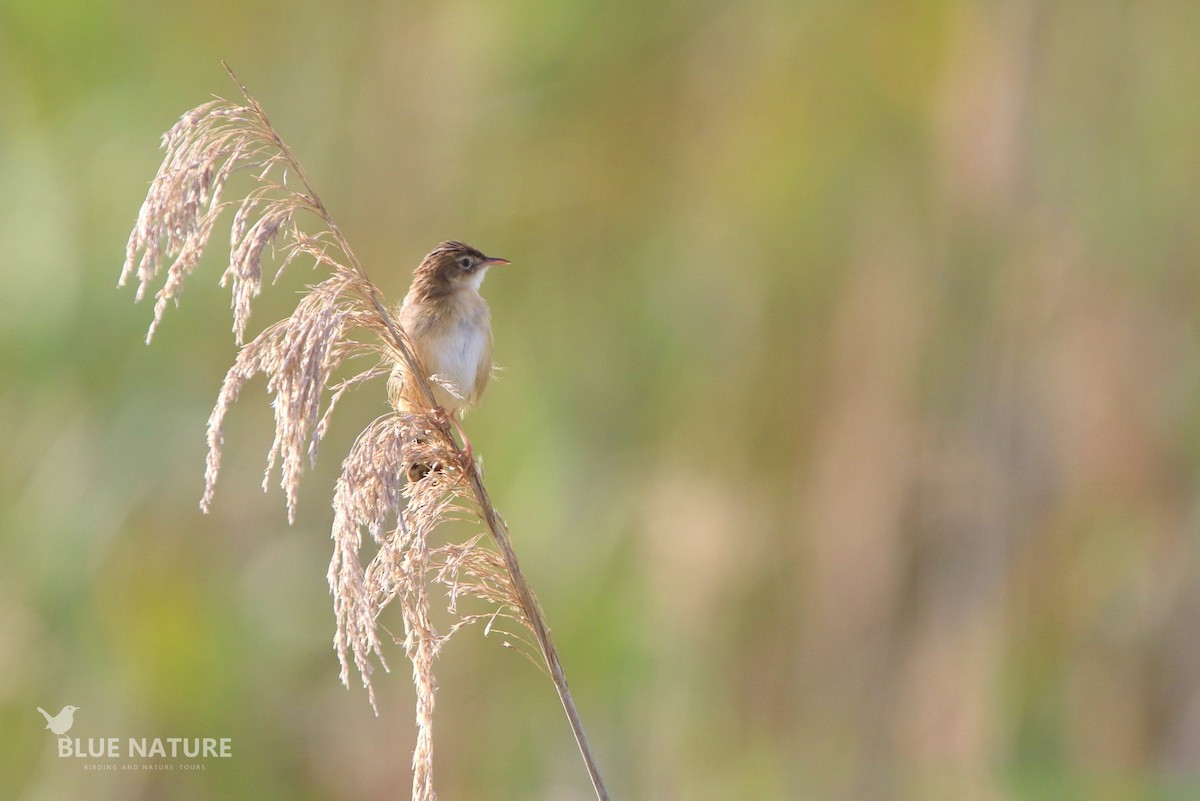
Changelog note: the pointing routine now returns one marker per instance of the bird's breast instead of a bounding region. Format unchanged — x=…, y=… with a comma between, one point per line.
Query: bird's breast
x=452, y=339
x=459, y=354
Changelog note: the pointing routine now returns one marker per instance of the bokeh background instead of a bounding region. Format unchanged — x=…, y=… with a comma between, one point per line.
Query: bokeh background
x=849, y=429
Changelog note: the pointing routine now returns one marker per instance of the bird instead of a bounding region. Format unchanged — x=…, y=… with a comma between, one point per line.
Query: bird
x=61, y=723
x=450, y=327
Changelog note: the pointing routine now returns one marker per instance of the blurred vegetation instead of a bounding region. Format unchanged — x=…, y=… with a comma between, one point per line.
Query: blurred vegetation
x=849, y=427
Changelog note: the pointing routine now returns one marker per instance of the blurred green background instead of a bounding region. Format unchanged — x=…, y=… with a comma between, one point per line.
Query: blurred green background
x=848, y=432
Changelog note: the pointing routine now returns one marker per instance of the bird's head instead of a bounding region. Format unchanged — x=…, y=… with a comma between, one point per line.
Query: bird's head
x=455, y=265
x=71, y=709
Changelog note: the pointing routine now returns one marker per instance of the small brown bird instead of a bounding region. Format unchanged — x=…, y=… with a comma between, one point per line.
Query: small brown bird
x=450, y=327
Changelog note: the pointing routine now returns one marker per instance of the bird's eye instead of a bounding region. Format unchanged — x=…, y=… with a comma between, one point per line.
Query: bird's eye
x=465, y=263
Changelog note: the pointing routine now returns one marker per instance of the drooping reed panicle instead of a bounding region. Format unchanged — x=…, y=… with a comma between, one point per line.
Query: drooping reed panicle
x=340, y=318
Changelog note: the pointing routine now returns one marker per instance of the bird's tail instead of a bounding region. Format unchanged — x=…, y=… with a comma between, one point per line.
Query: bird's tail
x=46, y=715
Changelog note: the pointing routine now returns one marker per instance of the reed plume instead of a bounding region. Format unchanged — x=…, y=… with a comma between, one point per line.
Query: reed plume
x=340, y=319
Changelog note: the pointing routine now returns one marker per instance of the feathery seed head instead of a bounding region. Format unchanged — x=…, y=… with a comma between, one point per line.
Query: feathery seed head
x=338, y=319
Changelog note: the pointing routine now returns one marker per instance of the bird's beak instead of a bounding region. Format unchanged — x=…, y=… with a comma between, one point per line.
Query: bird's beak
x=489, y=261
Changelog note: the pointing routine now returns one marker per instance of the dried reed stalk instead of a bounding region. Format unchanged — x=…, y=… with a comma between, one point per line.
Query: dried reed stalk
x=340, y=318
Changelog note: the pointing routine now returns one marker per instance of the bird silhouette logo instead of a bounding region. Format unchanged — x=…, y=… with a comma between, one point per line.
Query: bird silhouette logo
x=61, y=723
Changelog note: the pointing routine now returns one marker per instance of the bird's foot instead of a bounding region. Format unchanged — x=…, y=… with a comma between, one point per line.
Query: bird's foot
x=444, y=417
